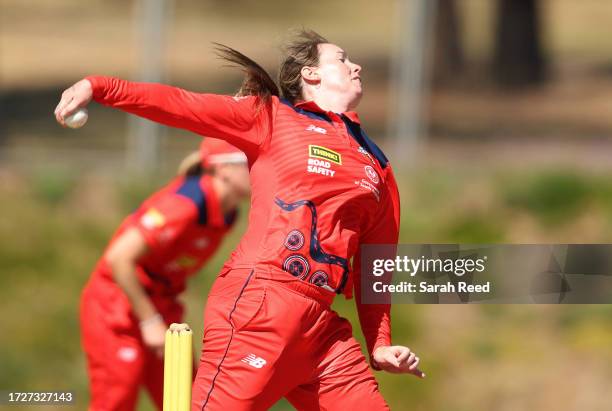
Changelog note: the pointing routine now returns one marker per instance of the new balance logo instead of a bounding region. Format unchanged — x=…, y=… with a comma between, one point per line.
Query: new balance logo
x=316, y=129
x=254, y=361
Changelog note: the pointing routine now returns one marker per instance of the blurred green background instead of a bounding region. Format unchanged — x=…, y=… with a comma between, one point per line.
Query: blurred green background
x=513, y=149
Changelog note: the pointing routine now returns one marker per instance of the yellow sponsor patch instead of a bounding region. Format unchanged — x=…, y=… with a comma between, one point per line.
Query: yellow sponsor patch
x=152, y=219
x=324, y=153
x=186, y=261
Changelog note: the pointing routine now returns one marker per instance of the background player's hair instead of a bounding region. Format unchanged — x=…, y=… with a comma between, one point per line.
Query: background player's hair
x=191, y=165
x=301, y=51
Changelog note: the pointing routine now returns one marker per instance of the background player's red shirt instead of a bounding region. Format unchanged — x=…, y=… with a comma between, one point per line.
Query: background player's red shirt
x=320, y=186
x=183, y=226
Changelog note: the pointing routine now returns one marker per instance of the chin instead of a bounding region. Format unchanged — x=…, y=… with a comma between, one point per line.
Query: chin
x=355, y=101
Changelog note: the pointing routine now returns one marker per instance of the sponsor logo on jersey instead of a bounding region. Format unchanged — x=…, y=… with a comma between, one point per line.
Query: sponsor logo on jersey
x=372, y=174
x=320, y=167
x=365, y=153
x=173, y=266
x=201, y=242
x=296, y=265
x=254, y=361
x=294, y=240
x=324, y=153
x=316, y=129
x=166, y=235
x=152, y=219
x=186, y=261
x=369, y=186
x=319, y=278
x=127, y=354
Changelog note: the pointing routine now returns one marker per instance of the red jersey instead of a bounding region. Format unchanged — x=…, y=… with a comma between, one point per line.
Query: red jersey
x=320, y=186
x=183, y=226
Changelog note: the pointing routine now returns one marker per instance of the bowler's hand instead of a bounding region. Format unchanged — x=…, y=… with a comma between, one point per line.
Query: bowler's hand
x=397, y=359
x=153, y=331
x=73, y=98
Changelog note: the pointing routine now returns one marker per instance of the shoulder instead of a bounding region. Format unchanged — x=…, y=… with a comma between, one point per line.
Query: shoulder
x=177, y=200
x=375, y=150
x=192, y=190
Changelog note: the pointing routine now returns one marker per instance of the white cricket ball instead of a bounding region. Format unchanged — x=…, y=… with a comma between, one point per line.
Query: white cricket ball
x=77, y=119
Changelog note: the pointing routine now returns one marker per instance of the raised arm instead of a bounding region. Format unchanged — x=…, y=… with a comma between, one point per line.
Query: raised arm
x=241, y=121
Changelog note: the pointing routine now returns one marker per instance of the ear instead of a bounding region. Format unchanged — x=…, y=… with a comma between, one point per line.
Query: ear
x=310, y=75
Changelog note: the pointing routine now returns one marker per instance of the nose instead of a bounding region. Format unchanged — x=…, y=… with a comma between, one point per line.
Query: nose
x=356, y=68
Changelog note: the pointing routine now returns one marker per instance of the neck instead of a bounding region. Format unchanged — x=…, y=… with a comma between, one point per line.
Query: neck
x=227, y=197
x=329, y=102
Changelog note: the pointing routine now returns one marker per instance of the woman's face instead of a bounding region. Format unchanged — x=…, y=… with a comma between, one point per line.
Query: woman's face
x=237, y=176
x=338, y=74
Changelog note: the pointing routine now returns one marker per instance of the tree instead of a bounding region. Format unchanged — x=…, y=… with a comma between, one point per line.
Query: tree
x=518, y=57
x=448, y=57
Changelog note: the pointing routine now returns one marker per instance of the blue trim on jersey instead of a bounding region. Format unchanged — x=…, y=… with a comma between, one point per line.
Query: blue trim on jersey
x=192, y=189
x=316, y=251
x=354, y=130
x=310, y=114
x=364, y=141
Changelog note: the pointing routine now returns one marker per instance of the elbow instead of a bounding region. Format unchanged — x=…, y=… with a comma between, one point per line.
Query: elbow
x=120, y=264
x=124, y=254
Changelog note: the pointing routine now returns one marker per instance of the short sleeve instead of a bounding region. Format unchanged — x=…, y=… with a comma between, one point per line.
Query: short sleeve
x=164, y=219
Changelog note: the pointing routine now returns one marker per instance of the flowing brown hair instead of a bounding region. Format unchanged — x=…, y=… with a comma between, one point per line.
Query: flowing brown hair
x=302, y=50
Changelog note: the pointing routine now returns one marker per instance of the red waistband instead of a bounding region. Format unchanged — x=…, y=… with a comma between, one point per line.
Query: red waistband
x=283, y=279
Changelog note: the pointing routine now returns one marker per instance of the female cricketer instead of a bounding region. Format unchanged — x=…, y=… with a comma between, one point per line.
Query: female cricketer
x=131, y=296
x=320, y=189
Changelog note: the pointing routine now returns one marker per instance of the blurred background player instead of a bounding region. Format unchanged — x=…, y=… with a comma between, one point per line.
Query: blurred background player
x=131, y=296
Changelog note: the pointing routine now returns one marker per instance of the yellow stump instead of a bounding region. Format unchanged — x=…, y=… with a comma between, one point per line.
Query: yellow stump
x=178, y=368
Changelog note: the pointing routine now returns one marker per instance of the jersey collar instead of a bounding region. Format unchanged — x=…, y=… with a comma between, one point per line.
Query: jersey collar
x=313, y=107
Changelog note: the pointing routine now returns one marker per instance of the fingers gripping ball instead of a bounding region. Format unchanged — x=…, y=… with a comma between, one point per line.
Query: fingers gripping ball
x=77, y=119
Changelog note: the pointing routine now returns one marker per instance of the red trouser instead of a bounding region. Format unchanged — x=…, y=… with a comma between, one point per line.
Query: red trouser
x=266, y=339
x=118, y=363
